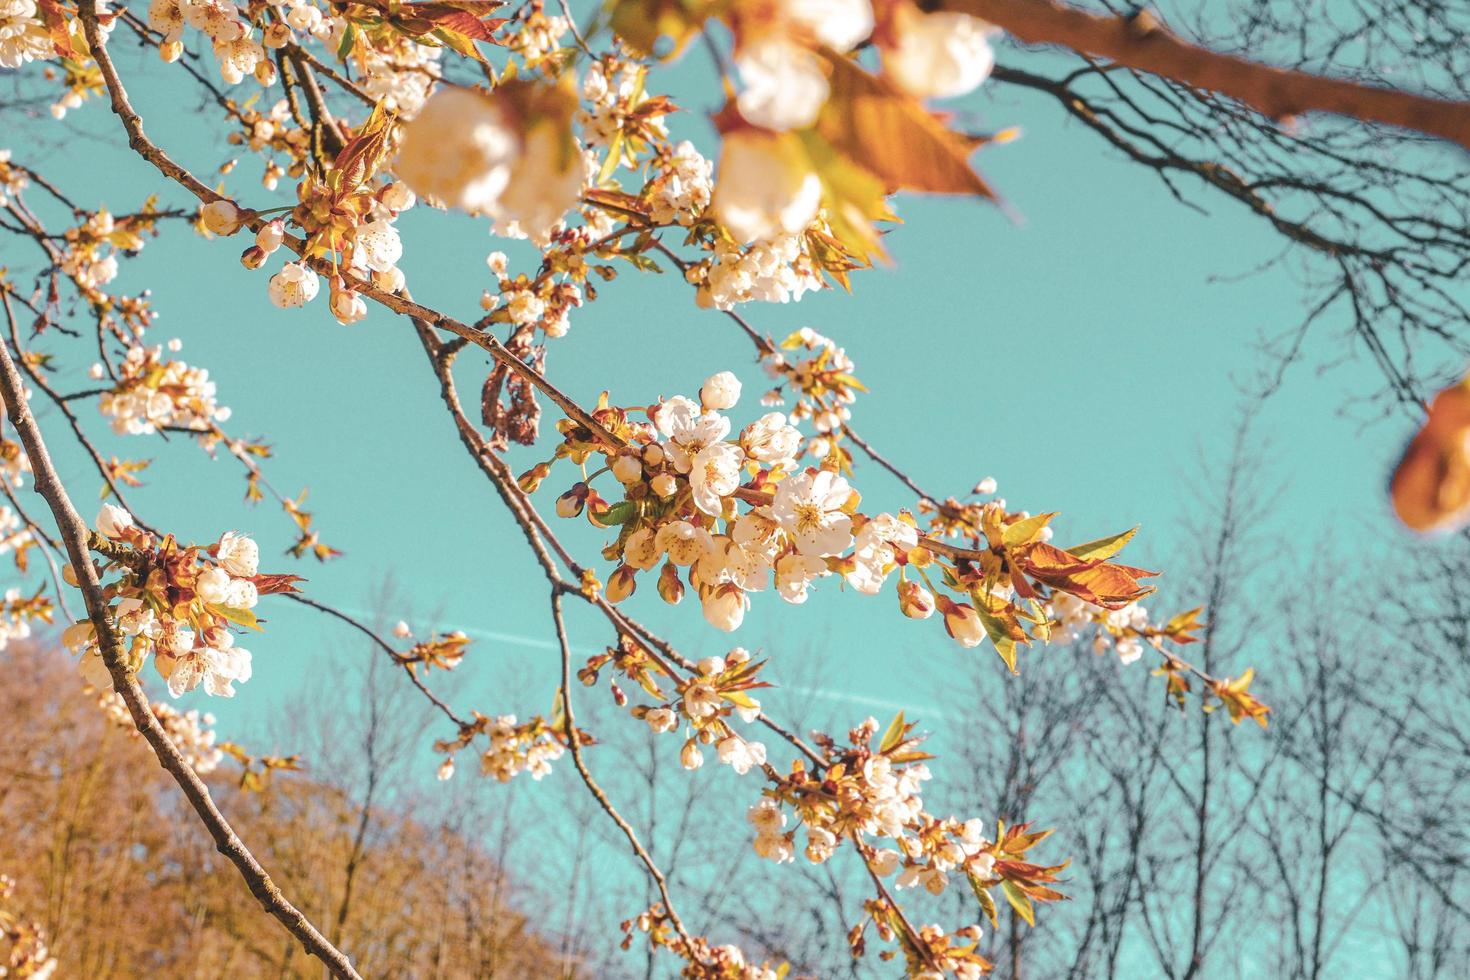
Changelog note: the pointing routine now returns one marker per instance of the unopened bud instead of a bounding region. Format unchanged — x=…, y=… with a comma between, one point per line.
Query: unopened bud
x=669, y=585
x=570, y=504
x=253, y=257
x=627, y=469
x=622, y=584
x=915, y=601
x=691, y=757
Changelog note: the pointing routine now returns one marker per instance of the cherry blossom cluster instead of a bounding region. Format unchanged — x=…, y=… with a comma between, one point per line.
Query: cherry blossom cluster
x=179, y=604
x=785, y=84
x=543, y=303
x=704, y=705
x=191, y=732
x=514, y=746
x=682, y=481
x=15, y=536
x=23, y=35
x=230, y=33
x=90, y=259
x=28, y=957
x=13, y=179
x=272, y=133
x=509, y=155
x=866, y=792
x=153, y=392
x=395, y=69
x=1121, y=629
x=702, y=959
x=775, y=269
x=18, y=611
x=623, y=120
x=539, y=35
x=353, y=225
x=14, y=463
x=820, y=381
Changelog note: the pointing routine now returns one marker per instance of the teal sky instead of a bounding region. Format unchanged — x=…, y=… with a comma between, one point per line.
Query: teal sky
x=1086, y=356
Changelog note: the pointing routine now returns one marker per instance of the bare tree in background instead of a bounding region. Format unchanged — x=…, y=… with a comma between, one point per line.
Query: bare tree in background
x=1374, y=221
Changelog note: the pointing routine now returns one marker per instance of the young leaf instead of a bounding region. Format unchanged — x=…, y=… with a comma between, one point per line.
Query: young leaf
x=1104, y=548
x=888, y=131
x=1020, y=901
x=894, y=735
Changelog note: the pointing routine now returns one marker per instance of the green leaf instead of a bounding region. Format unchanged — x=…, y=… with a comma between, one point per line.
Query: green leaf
x=893, y=737
x=349, y=39
x=643, y=262
x=614, y=155
x=619, y=513
x=1005, y=645
x=740, y=699
x=986, y=900
x=1020, y=901
x=460, y=43
x=240, y=617
x=1103, y=548
x=1021, y=532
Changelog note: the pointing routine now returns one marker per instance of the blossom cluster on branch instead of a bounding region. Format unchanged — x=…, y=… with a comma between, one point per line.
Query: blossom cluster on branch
x=180, y=604
x=365, y=111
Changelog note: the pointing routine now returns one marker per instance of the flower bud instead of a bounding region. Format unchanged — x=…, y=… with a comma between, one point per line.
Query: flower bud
x=664, y=485
x=962, y=622
x=570, y=504
x=391, y=281
x=669, y=584
x=531, y=480
x=253, y=257
x=691, y=757
x=171, y=51
x=265, y=72
x=397, y=196
x=622, y=584
x=915, y=601
x=221, y=217
x=347, y=306
x=271, y=235
x=113, y=521
x=720, y=391
x=627, y=469
x=724, y=607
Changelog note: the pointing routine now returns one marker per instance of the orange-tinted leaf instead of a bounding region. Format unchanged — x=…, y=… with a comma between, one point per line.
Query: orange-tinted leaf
x=56, y=27
x=890, y=133
x=1431, y=484
x=1099, y=582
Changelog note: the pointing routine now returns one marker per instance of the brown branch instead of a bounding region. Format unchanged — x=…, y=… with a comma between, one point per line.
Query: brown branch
x=1141, y=42
x=574, y=744
x=74, y=534
x=387, y=648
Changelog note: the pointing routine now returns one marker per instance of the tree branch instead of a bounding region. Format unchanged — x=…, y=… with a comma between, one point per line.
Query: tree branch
x=74, y=534
x=1141, y=42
